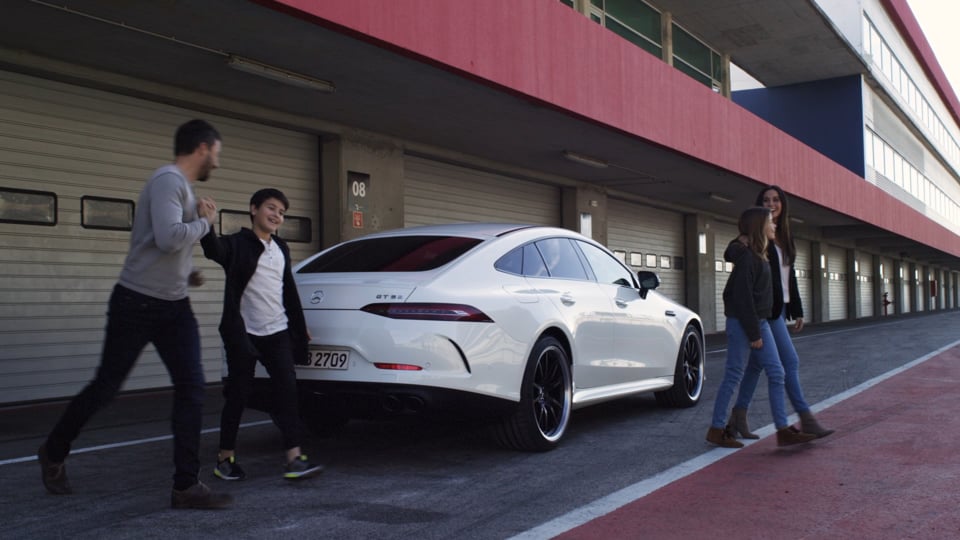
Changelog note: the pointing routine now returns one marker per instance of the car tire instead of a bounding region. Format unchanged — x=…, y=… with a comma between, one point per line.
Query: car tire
x=546, y=398
x=321, y=418
x=689, y=374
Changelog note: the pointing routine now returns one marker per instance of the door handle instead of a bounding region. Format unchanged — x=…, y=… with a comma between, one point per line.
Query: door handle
x=567, y=299
x=621, y=303
x=670, y=313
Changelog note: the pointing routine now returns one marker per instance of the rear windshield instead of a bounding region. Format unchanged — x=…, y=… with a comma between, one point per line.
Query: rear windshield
x=393, y=254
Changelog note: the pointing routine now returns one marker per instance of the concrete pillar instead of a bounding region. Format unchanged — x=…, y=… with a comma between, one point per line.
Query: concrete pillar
x=896, y=293
x=361, y=187
x=913, y=272
x=854, y=285
x=701, y=278
x=584, y=210
x=878, y=286
x=818, y=284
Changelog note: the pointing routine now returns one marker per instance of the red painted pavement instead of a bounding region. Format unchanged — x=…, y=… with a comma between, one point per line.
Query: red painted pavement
x=892, y=470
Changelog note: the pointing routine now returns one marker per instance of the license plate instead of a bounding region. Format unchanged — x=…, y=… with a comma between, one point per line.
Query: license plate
x=326, y=359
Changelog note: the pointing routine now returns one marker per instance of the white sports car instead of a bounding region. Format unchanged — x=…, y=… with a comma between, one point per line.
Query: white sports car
x=521, y=323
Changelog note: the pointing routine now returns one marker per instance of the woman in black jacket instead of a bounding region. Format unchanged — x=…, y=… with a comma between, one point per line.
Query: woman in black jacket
x=262, y=321
x=782, y=254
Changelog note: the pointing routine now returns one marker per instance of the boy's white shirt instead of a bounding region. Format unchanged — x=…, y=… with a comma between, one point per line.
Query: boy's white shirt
x=261, y=305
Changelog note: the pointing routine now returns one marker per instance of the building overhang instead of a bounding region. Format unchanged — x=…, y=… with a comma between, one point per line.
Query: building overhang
x=468, y=78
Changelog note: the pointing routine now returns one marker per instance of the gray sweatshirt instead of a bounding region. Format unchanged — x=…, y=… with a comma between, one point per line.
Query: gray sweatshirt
x=165, y=228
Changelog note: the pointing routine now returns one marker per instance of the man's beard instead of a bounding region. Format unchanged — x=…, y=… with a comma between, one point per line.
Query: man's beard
x=204, y=174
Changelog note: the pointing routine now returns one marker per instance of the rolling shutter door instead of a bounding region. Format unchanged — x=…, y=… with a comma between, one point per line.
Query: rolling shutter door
x=437, y=192
x=837, y=282
x=78, y=142
x=723, y=233
x=865, y=262
x=641, y=231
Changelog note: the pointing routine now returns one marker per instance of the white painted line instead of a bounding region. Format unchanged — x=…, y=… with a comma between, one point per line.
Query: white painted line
x=629, y=494
x=127, y=443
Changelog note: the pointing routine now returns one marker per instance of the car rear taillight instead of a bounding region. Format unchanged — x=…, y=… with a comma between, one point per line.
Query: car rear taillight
x=428, y=312
x=397, y=367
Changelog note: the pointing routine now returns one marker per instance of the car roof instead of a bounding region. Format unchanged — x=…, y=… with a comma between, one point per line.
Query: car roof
x=458, y=229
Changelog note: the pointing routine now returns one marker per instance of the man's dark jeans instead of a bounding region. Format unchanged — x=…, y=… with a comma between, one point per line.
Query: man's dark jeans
x=133, y=320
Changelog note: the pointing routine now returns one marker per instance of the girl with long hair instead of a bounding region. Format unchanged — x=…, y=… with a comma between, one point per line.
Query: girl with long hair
x=747, y=303
x=781, y=253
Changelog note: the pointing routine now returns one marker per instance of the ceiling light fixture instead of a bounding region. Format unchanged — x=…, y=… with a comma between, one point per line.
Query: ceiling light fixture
x=589, y=161
x=278, y=74
x=720, y=198
x=796, y=219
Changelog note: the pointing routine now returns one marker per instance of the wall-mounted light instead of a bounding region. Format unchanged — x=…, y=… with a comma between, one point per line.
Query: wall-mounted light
x=796, y=219
x=278, y=74
x=720, y=198
x=582, y=159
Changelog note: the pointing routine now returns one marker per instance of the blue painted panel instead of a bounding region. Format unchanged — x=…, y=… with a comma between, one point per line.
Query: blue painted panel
x=826, y=115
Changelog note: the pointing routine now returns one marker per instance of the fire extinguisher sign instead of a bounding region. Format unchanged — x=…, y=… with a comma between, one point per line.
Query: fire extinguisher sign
x=358, y=185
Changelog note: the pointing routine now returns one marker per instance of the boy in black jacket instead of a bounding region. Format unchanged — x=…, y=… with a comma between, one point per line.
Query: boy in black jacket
x=262, y=321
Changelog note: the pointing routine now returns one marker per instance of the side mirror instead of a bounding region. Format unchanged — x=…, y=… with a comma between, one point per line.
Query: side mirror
x=648, y=281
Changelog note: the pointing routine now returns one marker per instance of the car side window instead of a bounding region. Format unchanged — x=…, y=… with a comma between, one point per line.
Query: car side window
x=561, y=259
x=607, y=269
x=512, y=262
x=533, y=264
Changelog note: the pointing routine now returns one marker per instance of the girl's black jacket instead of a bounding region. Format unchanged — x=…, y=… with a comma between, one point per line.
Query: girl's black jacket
x=239, y=254
x=795, y=305
x=748, y=296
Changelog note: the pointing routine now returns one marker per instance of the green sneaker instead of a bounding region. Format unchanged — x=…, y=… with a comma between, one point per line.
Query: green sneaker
x=301, y=468
x=228, y=469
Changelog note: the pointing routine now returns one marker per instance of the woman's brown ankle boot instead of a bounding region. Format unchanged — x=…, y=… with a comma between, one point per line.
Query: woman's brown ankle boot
x=809, y=424
x=738, y=424
x=791, y=435
x=720, y=437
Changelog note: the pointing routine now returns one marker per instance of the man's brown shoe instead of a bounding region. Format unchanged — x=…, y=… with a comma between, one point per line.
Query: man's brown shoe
x=200, y=497
x=54, y=475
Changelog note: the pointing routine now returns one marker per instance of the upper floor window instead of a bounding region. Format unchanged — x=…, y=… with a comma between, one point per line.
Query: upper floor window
x=632, y=20
x=696, y=59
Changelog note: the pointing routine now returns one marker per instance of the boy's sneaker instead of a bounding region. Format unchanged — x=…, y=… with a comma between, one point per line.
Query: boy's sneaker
x=199, y=497
x=300, y=468
x=228, y=469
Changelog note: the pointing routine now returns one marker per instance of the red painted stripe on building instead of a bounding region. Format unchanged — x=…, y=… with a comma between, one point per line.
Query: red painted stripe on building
x=545, y=51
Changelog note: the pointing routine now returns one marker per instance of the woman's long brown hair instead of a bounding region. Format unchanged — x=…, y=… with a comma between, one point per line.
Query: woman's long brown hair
x=752, y=223
x=784, y=236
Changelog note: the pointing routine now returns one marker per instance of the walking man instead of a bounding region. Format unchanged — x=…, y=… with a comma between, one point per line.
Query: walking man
x=149, y=304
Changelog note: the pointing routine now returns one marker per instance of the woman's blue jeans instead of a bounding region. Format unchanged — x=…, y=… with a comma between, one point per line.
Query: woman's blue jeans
x=791, y=368
x=738, y=355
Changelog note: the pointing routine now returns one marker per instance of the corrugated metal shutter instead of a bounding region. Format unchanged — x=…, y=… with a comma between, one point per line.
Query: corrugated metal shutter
x=837, y=282
x=649, y=235
x=77, y=142
x=803, y=269
x=437, y=192
x=866, y=277
x=723, y=233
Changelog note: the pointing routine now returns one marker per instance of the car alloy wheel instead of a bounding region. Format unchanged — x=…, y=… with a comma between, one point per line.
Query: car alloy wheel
x=543, y=412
